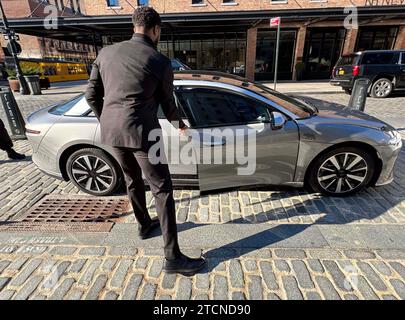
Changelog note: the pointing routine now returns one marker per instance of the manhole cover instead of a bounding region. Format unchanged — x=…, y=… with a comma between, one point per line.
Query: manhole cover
x=75, y=208
x=56, y=227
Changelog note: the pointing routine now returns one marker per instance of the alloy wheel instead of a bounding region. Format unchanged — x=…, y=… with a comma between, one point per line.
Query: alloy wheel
x=382, y=89
x=92, y=173
x=342, y=172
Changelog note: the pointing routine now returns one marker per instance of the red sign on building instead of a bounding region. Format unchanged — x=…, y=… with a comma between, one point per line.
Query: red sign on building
x=274, y=22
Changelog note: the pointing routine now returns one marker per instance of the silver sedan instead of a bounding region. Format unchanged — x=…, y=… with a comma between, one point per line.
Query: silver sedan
x=330, y=150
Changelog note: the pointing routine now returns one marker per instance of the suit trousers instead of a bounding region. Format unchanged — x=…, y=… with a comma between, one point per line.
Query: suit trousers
x=5, y=140
x=133, y=163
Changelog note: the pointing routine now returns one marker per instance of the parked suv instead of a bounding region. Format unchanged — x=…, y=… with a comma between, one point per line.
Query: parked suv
x=385, y=69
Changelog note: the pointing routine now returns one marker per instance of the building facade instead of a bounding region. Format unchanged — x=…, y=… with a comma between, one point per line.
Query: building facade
x=314, y=44
x=235, y=36
x=34, y=47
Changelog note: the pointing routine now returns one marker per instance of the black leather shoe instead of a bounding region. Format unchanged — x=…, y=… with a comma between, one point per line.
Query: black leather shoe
x=13, y=155
x=184, y=265
x=144, y=232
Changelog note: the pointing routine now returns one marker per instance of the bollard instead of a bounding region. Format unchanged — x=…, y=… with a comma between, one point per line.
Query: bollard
x=359, y=94
x=13, y=113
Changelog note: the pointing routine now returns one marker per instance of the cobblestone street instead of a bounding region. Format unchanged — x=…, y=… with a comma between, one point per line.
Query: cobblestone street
x=273, y=243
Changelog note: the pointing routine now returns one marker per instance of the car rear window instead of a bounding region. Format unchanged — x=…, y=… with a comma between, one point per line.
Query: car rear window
x=64, y=107
x=380, y=58
x=351, y=60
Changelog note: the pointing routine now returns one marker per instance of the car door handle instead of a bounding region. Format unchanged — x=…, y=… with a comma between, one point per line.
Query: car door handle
x=214, y=143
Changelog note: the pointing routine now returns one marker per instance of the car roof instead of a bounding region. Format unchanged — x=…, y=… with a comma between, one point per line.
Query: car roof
x=358, y=53
x=214, y=76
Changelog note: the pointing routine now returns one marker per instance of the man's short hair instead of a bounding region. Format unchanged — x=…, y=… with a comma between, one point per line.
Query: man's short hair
x=146, y=17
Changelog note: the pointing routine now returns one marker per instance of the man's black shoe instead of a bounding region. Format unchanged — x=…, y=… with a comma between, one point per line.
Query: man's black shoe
x=13, y=155
x=144, y=232
x=184, y=265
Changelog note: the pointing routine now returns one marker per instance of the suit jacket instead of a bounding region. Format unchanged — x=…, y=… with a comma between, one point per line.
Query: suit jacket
x=128, y=82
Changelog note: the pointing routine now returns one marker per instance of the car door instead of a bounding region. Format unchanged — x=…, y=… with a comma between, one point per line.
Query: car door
x=233, y=139
x=172, y=144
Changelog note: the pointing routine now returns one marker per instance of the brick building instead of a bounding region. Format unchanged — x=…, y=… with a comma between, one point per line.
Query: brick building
x=40, y=47
x=234, y=35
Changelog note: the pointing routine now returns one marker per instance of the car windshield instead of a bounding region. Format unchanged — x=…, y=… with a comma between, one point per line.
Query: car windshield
x=302, y=109
x=66, y=108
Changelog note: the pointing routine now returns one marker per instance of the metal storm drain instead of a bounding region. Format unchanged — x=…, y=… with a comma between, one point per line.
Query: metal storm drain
x=72, y=213
x=56, y=227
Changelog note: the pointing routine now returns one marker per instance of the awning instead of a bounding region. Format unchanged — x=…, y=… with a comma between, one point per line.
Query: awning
x=87, y=29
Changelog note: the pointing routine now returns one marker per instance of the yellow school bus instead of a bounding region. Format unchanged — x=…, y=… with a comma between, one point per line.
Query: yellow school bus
x=58, y=71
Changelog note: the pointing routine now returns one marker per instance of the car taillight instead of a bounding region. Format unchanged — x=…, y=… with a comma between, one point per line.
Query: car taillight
x=356, y=70
x=30, y=131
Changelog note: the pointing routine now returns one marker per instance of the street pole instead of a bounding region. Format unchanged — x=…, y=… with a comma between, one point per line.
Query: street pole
x=23, y=84
x=277, y=49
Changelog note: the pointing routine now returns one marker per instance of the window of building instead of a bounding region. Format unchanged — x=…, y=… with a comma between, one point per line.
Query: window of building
x=113, y=3
x=323, y=47
x=197, y=1
x=266, y=54
x=208, y=51
x=213, y=107
x=228, y=1
x=278, y=1
x=381, y=38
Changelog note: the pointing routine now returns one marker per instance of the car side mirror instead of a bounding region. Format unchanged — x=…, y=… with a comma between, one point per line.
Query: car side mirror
x=277, y=120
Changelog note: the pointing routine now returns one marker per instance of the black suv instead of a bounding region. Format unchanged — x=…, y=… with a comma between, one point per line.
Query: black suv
x=385, y=69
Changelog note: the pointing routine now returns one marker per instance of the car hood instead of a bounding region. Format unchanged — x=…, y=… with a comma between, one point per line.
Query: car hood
x=330, y=113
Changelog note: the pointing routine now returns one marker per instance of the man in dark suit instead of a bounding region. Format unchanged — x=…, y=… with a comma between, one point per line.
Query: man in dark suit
x=128, y=81
x=6, y=144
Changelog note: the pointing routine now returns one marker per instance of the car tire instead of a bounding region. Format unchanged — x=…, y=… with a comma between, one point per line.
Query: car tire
x=94, y=172
x=382, y=88
x=348, y=91
x=356, y=169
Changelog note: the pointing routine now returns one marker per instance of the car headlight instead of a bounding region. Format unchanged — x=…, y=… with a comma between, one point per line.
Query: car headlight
x=394, y=138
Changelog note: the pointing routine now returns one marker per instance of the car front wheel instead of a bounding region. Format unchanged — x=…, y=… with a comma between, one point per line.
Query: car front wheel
x=341, y=172
x=93, y=172
x=382, y=88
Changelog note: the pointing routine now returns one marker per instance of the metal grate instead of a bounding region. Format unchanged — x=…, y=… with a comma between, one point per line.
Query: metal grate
x=56, y=227
x=73, y=208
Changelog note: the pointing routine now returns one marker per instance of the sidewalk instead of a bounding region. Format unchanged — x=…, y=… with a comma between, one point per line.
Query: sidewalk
x=308, y=87
x=259, y=244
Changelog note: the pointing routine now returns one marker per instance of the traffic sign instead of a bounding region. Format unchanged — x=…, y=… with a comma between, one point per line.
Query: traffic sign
x=275, y=22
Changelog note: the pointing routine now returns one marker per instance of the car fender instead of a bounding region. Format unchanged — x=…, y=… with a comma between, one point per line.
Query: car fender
x=314, y=141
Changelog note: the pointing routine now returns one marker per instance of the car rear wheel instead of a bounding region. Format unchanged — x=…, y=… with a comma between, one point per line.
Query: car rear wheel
x=382, y=88
x=93, y=172
x=341, y=172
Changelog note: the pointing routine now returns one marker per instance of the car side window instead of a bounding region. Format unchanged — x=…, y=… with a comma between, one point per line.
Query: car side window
x=161, y=115
x=206, y=107
x=380, y=58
